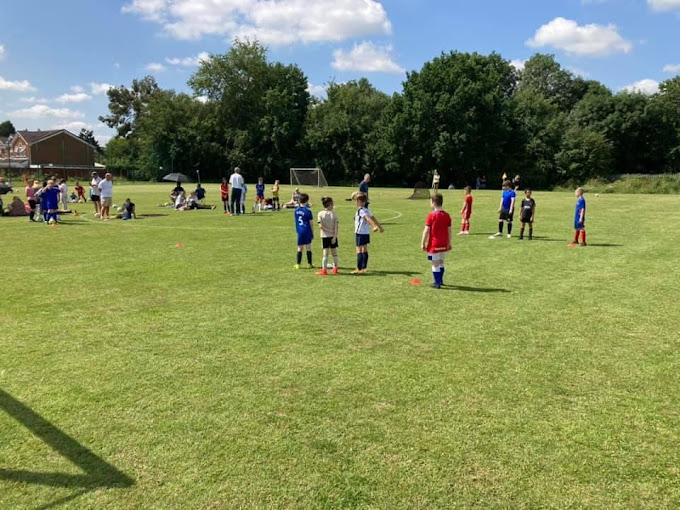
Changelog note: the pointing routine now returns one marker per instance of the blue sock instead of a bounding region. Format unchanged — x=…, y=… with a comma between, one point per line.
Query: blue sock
x=441, y=275
x=365, y=260
x=360, y=260
x=299, y=258
x=309, y=258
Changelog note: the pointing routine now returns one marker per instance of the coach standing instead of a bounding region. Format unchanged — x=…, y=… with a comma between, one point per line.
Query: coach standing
x=236, y=183
x=106, y=192
x=363, y=187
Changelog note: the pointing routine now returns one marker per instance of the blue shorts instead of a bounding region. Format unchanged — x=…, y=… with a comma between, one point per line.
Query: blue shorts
x=304, y=238
x=581, y=226
x=51, y=205
x=363, y=239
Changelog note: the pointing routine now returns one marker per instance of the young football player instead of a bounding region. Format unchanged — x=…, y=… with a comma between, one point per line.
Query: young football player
x=364, y=221
x=579, y=219
x=436, y=240
x=328, y=224
x=506, y=210
x=466, y=212
x=526, y=214
x=305, y=231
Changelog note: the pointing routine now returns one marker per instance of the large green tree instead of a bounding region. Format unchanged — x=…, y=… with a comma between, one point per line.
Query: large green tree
x=7, y=129
x=128, y=105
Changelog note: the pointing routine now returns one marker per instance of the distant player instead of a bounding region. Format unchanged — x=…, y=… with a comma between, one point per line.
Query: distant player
x=328, y=224
x=364, y=221
x=466, y=212
x=506, y=210
x=259, y=194
x=305, y=230
x=63, y=193
x=527, y=214
x=32, y=202
x=224, y=192
x=244, y=190
x=436, y=239
x=435, y=182
x=51, y=196
x=81, y=192
x=579, y=219
x=276, y=203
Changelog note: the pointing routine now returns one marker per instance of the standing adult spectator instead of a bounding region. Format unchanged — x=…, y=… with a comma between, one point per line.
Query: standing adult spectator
x=95, y=193
x=106, y=193
x=30, y=197
x=516, y=183
x=435, y=182
x=363, y=187
x=236, y=183
x=63, y=189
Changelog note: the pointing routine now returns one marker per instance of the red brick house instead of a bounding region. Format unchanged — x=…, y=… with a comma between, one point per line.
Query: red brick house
x=56, y=152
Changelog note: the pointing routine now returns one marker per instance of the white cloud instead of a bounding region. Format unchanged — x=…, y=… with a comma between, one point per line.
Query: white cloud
x=100, y=88
x=39, y=111
x=518, y=64
x=103, y=139
x=78, y=97
x=116, y=65
x=17, y=86
x=366, y=57
x=2, y=51
x=319, y=91
x=271, y=22
x=76, y=126
x=672, y=68
x=664, y=5
x=587, y=40
x=77, y=89
x=155, y=67
x=579, y=72
x=33, y=99
x=646, y=86
x=189, y=61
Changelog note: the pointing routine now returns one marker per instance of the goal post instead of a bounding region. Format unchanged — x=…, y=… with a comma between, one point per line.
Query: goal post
x=308, y=177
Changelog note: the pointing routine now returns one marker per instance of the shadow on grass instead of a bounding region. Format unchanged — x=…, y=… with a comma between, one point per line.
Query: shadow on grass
x=604, y=245
x=98, y=472
x=485, y=290
x=348, y=272
x=545, y=239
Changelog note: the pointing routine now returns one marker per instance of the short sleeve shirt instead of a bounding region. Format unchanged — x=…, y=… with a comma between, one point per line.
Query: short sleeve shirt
x=507, y=199
x=107, y=188
x=361, y=224
x=302, y=218
x=95, y=186
x=439, y=223
x=327, y=220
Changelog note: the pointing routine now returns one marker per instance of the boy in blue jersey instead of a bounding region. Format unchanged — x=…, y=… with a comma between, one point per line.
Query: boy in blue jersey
x=579, y=219
x=259, y=194
x=506, y=210
x=304, y=225
x=50, y=194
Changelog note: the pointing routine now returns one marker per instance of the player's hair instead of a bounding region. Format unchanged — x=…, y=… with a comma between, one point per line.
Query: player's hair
x=438, y=200
x=467, y=189
x=579, y=190
x=260, y=179
x=528, y=190
x=359, y=197
x=304, y=198
x=326, y=201
x=507, y=183
x=62, y=181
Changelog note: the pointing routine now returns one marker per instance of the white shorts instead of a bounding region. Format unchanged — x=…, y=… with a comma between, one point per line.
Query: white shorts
x=436, y=256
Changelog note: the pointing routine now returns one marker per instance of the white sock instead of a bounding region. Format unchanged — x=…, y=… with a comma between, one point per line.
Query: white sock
x=324, y=262
x=335, y=261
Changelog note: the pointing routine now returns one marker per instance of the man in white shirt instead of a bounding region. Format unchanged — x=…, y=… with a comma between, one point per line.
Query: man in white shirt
x=94, y=193
x=236, y=183
x=106, y=193
x=63, y=189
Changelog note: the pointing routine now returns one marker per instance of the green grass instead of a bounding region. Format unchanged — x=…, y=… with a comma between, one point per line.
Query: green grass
x=216, y=376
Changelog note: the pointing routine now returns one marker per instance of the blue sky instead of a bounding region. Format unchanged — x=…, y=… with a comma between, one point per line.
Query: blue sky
x=58, y=57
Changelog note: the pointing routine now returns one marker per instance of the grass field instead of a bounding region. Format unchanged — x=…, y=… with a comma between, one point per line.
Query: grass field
x=138, y=374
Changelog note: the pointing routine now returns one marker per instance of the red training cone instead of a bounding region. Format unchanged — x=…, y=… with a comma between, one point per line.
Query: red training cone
x=415, y=281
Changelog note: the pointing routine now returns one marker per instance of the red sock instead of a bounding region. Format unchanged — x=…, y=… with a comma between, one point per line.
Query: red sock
x=576, y=234
x=583, y=236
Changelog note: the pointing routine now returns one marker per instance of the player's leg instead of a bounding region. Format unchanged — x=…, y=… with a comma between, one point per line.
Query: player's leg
x=436, y=271
x=298, y=259
x=531, y=230
x=583, y=237
x=308, y=249
x=521, y=230
x=365, y=263
x=336, y=260
x=509, y=226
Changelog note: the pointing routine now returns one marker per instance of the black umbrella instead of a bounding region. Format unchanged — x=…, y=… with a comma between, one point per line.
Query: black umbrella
x=176, y=177
x=5, y=188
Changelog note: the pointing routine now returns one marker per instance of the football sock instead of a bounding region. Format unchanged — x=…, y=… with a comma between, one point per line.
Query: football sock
x=436, y=275
x=31, y=215
x=531, y=232
x=441, y=275
x=309, y=257
x=360, y=260
x=521, y=232
x=500, y=227
x=299, y=258
x=583, y=236
x=225, y=206
x=365, y=260
x=576, y=234
x=509, y=228
x=335, y=261
x=324, y=262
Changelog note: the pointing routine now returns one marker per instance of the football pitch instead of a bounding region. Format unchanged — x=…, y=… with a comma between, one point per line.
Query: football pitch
x=180, y=361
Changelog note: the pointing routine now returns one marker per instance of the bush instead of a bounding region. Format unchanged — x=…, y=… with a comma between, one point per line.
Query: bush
x=665, y=184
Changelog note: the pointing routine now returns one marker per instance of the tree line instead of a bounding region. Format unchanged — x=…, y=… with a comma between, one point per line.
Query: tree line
x=464, y=114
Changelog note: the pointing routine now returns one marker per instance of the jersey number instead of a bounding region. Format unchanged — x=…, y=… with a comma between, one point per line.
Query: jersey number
x=301, y=222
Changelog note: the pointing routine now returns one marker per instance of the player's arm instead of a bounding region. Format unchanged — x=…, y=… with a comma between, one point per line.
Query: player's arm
x=580, y=216
x=512, y=205
x=500, y=205
x=335, y=233
x=426, y=238
x=373, y=221
x=533, y=212
x=448, y=246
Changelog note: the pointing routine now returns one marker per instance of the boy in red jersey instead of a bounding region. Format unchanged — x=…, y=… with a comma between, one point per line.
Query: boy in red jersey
x=224, y=191
x=436, y=239
x=466, y=212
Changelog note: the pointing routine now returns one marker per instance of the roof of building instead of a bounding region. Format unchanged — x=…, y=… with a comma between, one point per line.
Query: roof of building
x=35, y=136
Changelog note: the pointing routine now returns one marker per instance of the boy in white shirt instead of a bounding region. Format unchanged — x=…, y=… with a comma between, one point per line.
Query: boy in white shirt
x=63, y=189
x=364, y=221
x=328, y=223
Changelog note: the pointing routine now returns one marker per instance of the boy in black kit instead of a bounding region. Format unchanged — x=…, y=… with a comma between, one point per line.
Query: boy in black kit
x=527, y=214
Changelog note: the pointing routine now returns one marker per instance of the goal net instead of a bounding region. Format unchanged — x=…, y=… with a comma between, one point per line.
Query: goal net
x=420, y=191
x=308, y=177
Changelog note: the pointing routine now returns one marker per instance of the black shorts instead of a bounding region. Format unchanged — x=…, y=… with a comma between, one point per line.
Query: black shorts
x=506, y=215
x=32, y=204
x=327, y=243
x=95, y=198
x=363, y=239
x=526, y=218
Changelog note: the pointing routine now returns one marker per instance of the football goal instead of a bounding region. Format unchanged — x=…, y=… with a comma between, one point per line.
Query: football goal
x=420, y=191
x=308, y=177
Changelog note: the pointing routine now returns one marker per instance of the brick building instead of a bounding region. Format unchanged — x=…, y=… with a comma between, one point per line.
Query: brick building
x=41, y=153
